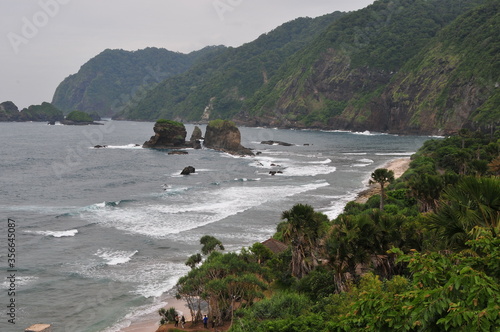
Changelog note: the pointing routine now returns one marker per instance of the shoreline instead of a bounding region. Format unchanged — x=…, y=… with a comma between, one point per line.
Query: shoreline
x=398, y=166
x=150, y=322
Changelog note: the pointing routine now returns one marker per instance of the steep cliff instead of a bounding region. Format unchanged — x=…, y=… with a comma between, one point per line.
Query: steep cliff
x=389, y=67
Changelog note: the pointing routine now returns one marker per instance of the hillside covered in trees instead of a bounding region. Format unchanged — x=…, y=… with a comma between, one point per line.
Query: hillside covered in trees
x=113, y=79
x=398, y=66
x=405, y=66
x=217, y=88
x=425, y=260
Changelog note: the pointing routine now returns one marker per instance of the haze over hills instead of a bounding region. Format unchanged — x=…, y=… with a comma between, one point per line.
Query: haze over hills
x=404, y=66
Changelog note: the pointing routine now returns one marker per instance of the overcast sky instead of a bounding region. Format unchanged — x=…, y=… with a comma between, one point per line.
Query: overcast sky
x=44, y=41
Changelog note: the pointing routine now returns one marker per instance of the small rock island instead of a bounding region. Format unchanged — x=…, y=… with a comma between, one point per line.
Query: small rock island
x=223, y=135
x=170, y=135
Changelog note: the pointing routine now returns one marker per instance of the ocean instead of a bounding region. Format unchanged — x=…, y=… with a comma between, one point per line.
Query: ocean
x=101, y=235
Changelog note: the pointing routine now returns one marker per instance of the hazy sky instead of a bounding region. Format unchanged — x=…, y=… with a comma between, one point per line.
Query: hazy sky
x=44, y=41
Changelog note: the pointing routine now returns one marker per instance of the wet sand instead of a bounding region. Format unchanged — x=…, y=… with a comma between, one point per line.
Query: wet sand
x=151, y=322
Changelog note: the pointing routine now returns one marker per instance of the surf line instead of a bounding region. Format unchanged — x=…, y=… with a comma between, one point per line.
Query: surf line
x=11, y=270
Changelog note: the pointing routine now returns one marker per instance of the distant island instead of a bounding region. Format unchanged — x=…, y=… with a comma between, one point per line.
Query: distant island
x=46, y=112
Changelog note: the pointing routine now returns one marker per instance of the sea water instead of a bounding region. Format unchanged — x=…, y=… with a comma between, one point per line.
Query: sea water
x=102, y=233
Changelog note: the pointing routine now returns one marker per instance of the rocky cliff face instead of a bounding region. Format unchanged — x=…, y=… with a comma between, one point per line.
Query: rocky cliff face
x=388, y=68
x=224, y=136
x=168, y=135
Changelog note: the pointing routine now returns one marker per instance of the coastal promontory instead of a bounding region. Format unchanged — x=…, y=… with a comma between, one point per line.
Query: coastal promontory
x=223, y=135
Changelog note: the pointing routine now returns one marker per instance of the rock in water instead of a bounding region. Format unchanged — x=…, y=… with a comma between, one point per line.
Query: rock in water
x=196, y=135
x=168, y=135
x=223, y=135
x=188, y=170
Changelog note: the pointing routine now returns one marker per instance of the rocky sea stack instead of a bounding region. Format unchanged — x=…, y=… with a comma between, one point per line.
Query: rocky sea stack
x=168, y=135
x=223, y=135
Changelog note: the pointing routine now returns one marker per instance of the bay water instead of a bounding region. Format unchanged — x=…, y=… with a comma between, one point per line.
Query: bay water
x=102, y=234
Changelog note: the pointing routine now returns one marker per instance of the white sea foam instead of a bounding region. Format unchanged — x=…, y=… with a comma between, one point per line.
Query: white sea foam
x=395, y=153
x=123, y=147
x=313, y=165
x=135, y=315
x=326, y=161
x=68, y=233
x=366, y=133
x=20, y=282
x=202, y=208
x=115, y=257
x=355, y=153
x=338, y=204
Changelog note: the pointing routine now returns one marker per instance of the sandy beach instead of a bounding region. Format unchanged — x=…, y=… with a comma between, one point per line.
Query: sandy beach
x=151, y=322
x=398, y=166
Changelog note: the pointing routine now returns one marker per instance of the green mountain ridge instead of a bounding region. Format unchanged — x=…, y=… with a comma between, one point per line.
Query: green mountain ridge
x=341, y=80
x=397, y=66
x=219, y=87
x=110, y=81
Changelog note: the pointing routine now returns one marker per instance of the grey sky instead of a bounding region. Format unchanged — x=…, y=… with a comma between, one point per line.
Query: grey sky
x=44, y=41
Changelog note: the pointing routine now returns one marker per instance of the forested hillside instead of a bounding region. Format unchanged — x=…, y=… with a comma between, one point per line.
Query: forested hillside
x=114, y=79
x=341, y=80
x=398, y=66
x=218, y=88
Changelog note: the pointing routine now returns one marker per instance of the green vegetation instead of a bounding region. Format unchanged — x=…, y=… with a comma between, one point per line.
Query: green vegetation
x=428, y=261
x=170, y=122
x=78, y=116
x=228, y=78
x=114, y=80
x=221, y=123
x=382, y=176
x=357, y=63
x=405, y=66
x=44, y=112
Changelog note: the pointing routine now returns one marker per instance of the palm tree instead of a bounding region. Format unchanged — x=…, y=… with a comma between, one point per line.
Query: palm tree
x=382, y=176
x=470, y=203
x=210, y=244
x=302, y=230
